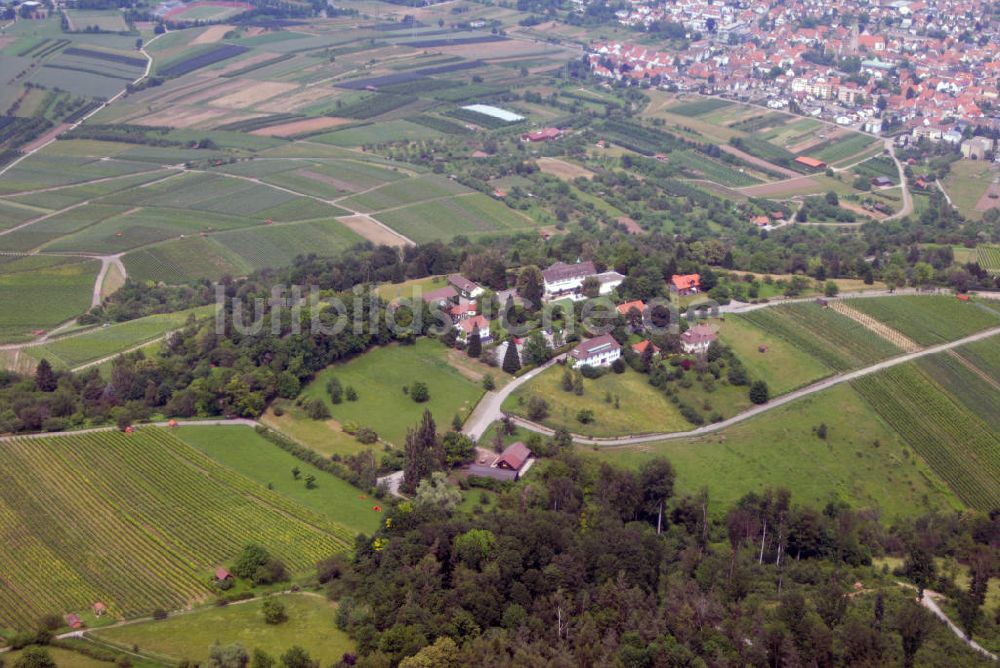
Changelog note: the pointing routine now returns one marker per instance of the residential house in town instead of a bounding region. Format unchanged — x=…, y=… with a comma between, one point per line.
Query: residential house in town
x=640, y=348
x=463, y=311
x=566, y=280
x=697, y=339
x=599, y=351
x=469, y=326
x=562, y=279
x=467, y=290
x=685, y=284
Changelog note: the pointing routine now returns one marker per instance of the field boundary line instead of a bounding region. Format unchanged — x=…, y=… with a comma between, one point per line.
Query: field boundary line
x=870, y=323
x=974, y=369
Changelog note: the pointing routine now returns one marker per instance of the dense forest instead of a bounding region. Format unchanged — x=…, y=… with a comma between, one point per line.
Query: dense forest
x=587, y=564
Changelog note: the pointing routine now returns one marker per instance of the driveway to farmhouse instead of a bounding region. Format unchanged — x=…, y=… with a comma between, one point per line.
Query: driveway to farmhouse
x=488, y=409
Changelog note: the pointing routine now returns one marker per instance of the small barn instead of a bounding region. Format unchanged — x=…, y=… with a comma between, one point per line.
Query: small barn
x=100, y=609
x=811, y=163
x=222, y=574
x=74, y=622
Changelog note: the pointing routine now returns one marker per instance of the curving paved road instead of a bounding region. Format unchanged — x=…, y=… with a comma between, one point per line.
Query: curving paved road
x=480, y=420
x=904, y=186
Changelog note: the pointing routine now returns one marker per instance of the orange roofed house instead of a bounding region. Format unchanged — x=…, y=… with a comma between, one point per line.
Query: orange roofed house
x=811, y=163
x=685, y=284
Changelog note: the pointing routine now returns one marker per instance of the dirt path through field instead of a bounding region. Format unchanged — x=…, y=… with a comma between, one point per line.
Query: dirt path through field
x=975, y=369
x=373, y=230
x=754, y=160
x=888, y=333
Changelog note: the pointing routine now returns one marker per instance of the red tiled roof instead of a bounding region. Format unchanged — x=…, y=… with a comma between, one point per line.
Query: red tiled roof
x=640, y=347
x=628, y=306
x=685, y=281
x=514, y=456
x=474, y=323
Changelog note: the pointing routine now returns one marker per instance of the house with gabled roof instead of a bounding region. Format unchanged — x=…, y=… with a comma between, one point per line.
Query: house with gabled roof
x=685, y=284
x=598, y=352
x=465, y=288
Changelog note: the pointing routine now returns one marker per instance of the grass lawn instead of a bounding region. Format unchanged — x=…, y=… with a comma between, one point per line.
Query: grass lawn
x=783, y=367
x=965, y=183
x=190, y=636
x=245, y=451
x=379, y=376
x=404, y=290
x=323, y=436
x=62, y=657
x=644, y=409
x=779, y=449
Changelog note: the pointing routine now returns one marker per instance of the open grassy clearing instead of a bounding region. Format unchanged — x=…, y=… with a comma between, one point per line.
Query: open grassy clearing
x=472, y=215
x=250, y=454
x=961, y=448
x=310, y=625
x=780, y=449
x=643, y=408
x=966, y=182
x=71, y=352
x=831, y=338
x=137, y=521
x=379, y=377
x=783, y=366
x=56, y=294
x=928, y=319
x=324, y=436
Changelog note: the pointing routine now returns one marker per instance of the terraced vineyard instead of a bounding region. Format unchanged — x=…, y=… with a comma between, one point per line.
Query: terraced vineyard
x=928, y=319
x=985, y=355
x=137, y=521
x=954, y=442
x=961, y=379
x=833, y=339
x=989, y=258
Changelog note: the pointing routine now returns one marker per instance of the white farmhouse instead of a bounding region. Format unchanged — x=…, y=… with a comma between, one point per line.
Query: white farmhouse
x=696, y=340
x=598, y=351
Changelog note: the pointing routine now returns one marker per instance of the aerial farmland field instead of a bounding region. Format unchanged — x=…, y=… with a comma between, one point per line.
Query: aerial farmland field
x=929, y=319
x=957, y=444
x=831, y=338
x=98, y=513
x=58, y=288
x=471, y=215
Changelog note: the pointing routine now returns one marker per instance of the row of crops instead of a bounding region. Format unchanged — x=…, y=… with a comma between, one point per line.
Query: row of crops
x=985, y=355
x=137, y=521
x=833, y=339
x=989, y=258
x=929, y=319
x=962, y=449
